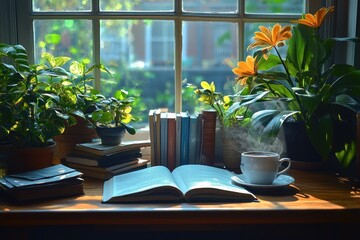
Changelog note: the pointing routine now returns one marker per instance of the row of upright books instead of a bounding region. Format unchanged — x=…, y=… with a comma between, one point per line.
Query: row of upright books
x=181, y=138
x=100, y=161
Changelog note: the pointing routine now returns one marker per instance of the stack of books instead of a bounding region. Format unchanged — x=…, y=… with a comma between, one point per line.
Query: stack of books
x=181, y=138
x=103, y=162
x=57, y=181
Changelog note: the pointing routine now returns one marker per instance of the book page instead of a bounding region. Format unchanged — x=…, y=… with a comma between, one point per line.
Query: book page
x=151, y=184
x=201, y=182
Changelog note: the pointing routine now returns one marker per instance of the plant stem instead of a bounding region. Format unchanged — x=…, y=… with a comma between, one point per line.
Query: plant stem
x=286, y=70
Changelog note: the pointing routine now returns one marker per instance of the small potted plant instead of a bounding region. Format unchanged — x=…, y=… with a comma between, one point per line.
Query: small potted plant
x=112, y=118
x=30, y=114
x=78, y=99
x=234, y=120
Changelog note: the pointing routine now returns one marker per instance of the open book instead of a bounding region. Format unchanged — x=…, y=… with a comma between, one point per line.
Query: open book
x=186, y=183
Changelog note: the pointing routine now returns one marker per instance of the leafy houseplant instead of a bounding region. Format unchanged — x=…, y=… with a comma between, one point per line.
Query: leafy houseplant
x=30, y=115
x=234, y=122
x=77, y=98
x=112, y=117
x=299, y=87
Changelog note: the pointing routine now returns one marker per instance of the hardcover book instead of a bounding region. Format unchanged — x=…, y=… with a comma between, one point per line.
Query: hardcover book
x=192, y=183
x=151, y=119
x=171, y=157
x=103, y=161
x=163, y=138
x=208, y=137
x=108, y=172
x=101, y=150
x=53, y=182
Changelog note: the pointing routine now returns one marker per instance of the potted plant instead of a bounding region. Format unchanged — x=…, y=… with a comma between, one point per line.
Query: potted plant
x=78, y=99
x=30, y=114
x=112, y=117
x=234, y=120
x=300, y=88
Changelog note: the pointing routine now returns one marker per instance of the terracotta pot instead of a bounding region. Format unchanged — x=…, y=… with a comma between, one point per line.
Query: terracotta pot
x=21, y=159
x=79, y=133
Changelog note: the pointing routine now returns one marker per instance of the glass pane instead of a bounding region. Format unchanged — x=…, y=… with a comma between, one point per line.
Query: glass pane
x=138, y=5
x=61, y=6
x=140, y=53
x=277, y=6
x=211, y=6
x=72, y=38
x=251, y=28
x=206, y=47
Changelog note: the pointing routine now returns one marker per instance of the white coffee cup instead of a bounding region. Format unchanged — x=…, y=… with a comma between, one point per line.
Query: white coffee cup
x=262, y=167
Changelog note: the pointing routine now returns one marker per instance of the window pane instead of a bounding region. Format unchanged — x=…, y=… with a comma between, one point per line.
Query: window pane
x=138, y=5
x=140, y=53
x=206, y=46
x=278, y=6
x=61, y=6
x=72, y=38
x=211, y=6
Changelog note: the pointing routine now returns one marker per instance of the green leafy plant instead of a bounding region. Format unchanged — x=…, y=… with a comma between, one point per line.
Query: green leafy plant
x=115, y=112
x=30, y=112
x=300, y=86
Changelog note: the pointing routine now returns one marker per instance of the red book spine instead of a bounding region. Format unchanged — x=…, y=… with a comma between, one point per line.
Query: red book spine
x=171, y=141
x=208, y=137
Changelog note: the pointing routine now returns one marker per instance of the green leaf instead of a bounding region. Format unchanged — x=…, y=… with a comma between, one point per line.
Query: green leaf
x=267, y=123
x=130, y=129
x=321, y=133
x=77, y=68
x=347, y=154
x=271, y=62
x=296, y=51
x=310, y=102
x=345, y=83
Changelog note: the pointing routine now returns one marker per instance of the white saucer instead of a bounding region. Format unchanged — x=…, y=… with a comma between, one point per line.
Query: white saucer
x=280, y=181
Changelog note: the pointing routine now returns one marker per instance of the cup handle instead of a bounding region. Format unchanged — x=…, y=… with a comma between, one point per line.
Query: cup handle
x=287, y=167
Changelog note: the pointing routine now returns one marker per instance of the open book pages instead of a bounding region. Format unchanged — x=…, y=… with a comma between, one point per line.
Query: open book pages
x=186, y=183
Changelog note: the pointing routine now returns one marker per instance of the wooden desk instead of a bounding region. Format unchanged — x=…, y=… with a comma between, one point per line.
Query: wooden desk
x=320, y=198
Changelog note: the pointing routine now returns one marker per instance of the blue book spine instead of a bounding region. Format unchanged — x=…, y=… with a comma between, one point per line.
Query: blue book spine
x=184, y=145
x=163, y=139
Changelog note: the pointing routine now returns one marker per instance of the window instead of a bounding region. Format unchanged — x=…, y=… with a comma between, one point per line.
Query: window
x=155, y=48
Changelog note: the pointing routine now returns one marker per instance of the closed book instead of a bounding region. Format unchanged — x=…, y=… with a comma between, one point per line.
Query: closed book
x=178, y=139
x=193, y=138
x=184, y=144
x=105, y=175
x=103, y=161
x=99, y=149
x=56, y=181
x=151, y=118
x=171, y=152
x=163, y=138
x=157, y=137
x=199, y=138
x=80, y=167
x=208, y=137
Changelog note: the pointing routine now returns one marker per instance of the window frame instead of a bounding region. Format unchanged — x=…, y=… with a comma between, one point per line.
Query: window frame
x=25, y=18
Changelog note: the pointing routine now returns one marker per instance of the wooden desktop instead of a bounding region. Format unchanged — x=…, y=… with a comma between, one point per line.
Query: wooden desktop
x=318, y=200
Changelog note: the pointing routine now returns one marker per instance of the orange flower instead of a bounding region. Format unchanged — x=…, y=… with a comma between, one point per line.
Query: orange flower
x=317, y=19
x=268, y=38
x=246, y=69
